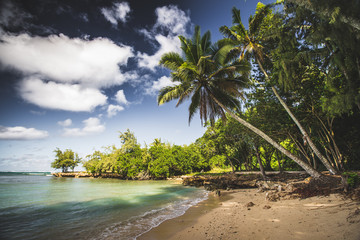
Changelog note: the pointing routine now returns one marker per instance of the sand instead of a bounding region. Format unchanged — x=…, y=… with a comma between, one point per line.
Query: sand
x=231, y=217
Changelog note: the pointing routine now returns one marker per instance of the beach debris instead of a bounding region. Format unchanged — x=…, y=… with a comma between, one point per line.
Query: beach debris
x=250, y=204
x=267, y=207
x=271, y=196
x=218, y=193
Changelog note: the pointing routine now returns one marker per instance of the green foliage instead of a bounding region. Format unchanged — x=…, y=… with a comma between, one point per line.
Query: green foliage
x=65, y=160
x=353, y=179
x=158, y=161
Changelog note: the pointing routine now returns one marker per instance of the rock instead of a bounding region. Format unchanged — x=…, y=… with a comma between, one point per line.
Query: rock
x=250, y=204
x=267, y=207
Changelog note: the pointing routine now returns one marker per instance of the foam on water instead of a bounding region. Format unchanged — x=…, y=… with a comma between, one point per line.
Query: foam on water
x=138, y=225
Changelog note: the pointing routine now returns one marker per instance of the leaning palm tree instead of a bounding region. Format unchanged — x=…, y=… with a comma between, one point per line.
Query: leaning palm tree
x=212, y=84
x=248, y=44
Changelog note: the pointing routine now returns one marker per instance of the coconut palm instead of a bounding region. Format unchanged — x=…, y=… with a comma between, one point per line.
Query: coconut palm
x=212, y=84
x=248, y=44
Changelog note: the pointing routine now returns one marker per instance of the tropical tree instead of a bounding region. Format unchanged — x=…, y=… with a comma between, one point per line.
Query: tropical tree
x=65, y=160
x=213, y=84
x=249, y=45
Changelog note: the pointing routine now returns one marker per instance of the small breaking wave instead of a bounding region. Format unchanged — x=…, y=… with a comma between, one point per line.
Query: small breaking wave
x=138, y=225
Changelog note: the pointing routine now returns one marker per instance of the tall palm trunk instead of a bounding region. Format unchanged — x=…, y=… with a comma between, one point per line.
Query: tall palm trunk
x=311, y=171
x=298, y=124
x=261, y=166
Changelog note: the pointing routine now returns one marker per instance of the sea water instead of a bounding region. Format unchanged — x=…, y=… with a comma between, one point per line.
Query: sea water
x=39, y=206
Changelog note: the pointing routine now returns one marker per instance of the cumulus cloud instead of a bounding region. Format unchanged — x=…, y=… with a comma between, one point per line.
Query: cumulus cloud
x=166, y=44
x=67, y=97
x=65, y=123
x=171, y=22
x=21, y=133
x=118, y=12
x=91, y=126
x=113, y=110
x=159, y=84
x=120, y=97
x=68, y=60
x=172, y=19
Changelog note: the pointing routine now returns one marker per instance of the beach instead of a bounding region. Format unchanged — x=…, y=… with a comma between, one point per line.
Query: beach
x=246, y=214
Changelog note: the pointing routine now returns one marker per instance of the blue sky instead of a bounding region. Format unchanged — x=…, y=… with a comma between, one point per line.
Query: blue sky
x=75, y=73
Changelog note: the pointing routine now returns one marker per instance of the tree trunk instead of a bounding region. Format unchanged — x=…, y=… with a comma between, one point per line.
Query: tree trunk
x=232, y=166
x=261, y=166
x=279, y=162
x=298, y=124
x=311, y=171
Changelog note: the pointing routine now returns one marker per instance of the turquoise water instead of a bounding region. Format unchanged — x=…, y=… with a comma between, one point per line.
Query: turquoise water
x=44, y=207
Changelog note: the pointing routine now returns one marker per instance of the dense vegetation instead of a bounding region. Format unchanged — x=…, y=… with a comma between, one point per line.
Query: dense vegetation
x=296, y=70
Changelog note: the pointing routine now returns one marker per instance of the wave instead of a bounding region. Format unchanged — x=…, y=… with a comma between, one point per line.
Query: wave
x=135, y=226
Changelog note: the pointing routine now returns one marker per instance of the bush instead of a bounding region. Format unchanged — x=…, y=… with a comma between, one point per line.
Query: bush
x=352, y=179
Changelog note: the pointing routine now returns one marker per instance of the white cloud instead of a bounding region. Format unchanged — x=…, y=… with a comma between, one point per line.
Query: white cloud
x=113, y=110
x=166, y=44
x=61, y=96
x=118, y=12
x=21, y=133
x=65, y=123
x=171, y=21
x=91, y=126
x=69, y=60
x=120, y=97
x=159, y=84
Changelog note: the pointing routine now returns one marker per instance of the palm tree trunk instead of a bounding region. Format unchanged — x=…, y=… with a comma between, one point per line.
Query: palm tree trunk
x=311, y=171
x=261, y=166
x=298, y=124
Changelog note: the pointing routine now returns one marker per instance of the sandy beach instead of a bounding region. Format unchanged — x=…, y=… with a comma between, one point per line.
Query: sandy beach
x=246, y=214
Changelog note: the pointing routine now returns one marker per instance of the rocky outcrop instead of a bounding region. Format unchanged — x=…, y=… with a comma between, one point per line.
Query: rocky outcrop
x=72, y=174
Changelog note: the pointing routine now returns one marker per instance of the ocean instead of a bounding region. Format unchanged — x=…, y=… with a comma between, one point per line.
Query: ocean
x=40, y=206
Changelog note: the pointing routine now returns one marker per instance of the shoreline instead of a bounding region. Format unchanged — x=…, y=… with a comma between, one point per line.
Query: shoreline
x=245, y=214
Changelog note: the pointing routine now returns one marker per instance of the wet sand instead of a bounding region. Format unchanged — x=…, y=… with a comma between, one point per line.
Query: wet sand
x=232, y=217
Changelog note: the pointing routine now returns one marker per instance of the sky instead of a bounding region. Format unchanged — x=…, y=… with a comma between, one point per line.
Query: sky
x=73, y=74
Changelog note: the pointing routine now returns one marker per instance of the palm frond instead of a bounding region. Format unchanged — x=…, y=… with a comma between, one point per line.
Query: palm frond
x=206, y=42
x=228, y=33
x=195, y=103
x=186, y=94
x=171, y=60
x=255, y=22
x=236, y=19
x=167, y=94
x=187, y=49
x=221, y=49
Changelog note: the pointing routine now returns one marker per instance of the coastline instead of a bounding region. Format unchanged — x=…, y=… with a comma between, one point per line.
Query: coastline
x=245, y=214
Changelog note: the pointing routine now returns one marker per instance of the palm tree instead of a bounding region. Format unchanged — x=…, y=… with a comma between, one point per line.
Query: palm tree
x=248, y=44
x=213, y=84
